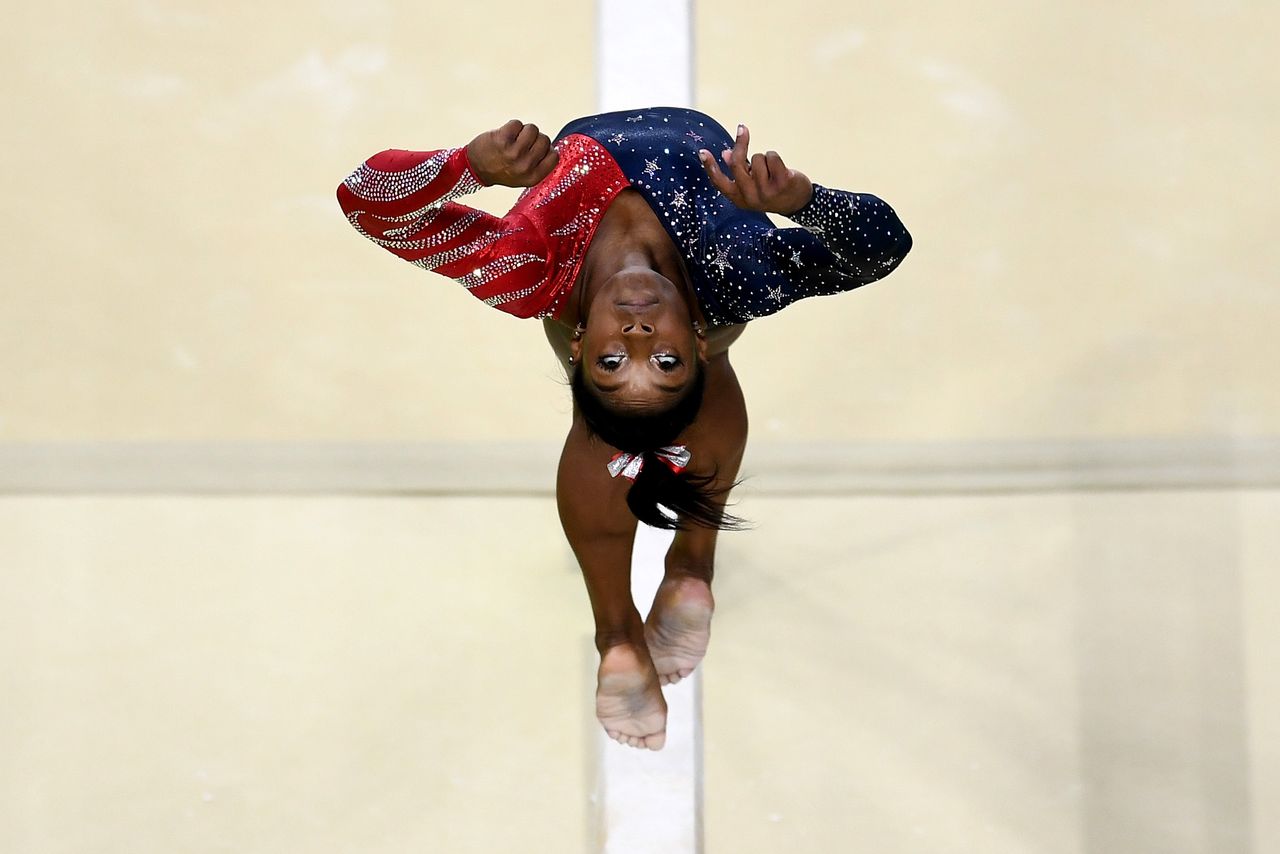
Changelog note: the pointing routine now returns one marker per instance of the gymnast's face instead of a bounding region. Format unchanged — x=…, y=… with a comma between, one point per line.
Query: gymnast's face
x=639, y=350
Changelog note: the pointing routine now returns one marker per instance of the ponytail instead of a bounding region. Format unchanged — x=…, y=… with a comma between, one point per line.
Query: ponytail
x=690, y=497
x=656, y=488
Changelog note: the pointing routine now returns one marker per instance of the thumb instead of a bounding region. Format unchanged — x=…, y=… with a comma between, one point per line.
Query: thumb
x=718, y=178
x=546, y=166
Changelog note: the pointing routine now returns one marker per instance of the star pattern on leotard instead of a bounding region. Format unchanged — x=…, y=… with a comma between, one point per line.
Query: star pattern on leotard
x=842, y=240
x=741, y=265
x=721, y=259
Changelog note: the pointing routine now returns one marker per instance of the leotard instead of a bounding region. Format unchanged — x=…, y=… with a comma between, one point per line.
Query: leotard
x=741, y=265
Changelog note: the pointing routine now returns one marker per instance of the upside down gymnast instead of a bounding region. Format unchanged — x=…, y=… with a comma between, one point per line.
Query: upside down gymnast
x=645, y=258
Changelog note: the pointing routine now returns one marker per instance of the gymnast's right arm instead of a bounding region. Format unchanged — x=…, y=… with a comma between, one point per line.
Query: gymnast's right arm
x=402, y=200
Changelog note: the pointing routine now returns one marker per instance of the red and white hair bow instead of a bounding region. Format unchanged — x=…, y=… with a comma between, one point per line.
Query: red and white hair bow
x=628, y=465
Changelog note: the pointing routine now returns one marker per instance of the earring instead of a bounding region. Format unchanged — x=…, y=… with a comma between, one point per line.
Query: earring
x=697, y=329
x=578, y=331
x=571, y=360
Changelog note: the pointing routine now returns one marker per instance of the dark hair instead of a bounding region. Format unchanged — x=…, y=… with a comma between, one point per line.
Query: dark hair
x=690, y=497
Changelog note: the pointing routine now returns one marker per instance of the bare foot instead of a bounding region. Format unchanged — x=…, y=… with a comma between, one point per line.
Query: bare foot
x=679, y=627
x=629, y=702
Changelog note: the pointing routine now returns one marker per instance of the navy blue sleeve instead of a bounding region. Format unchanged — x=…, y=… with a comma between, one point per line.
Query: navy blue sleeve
x=847, y=240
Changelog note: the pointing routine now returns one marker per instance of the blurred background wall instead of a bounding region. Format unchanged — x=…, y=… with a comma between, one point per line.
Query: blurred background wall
x=1091, y=195
x=1092, y=187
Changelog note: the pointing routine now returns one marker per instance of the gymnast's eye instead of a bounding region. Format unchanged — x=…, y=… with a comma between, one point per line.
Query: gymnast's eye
x=666, y=361
x=610, y=361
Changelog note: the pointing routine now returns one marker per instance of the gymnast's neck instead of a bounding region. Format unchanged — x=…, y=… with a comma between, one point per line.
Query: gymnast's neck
x=628, y=236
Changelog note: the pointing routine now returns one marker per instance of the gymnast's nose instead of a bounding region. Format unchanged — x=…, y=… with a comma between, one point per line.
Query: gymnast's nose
x=637, y=328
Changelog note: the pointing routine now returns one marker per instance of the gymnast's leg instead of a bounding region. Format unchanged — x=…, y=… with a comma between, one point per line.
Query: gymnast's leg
x=679, y=624
x=678, y=628
x=601, y=531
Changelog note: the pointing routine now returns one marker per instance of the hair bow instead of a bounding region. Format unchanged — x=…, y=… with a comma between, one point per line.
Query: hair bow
x=628, y=465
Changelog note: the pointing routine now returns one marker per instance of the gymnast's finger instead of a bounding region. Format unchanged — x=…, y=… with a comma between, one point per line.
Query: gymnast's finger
x=544, y=167
x=718, y=179
x=740, y=164
x=744, y=191
x=740, y=161
x=538, y=150
x=777, y=169
x=744, y=181
x=506, y=134
x=524, y=141
x=760, y=170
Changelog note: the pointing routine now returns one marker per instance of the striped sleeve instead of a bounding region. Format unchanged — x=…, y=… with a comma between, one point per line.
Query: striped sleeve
x=403, y=201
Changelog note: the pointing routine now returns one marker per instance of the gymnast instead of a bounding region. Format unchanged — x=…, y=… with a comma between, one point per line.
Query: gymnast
x=645, y=258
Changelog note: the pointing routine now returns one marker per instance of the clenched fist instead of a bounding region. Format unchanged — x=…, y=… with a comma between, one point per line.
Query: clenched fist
x=757, y=183
x=514, y=155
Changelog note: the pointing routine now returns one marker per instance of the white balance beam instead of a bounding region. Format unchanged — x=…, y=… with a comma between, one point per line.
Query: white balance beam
x=650, y=801
x=644, y=54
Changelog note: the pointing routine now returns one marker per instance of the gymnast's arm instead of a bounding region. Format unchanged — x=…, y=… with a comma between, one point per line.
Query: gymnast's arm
x=847, y=239
x=402, y=200
x=864, y=236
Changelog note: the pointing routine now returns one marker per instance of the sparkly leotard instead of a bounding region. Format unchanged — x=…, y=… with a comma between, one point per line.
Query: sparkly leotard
x=740, y=264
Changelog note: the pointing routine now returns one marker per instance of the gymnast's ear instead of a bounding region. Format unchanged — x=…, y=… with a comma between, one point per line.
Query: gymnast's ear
x=700, y=341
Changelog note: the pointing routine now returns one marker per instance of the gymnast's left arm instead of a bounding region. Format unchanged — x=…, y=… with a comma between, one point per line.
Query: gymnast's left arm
x=863, y=234
x=855, y=237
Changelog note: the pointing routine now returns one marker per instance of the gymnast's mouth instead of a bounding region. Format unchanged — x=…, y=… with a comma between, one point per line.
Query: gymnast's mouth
x=637, y=304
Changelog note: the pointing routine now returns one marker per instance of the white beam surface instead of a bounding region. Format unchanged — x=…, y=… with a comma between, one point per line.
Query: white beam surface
x=644, y=54
x=650, y=801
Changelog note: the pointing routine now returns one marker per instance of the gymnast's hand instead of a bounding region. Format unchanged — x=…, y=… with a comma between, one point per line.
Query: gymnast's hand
x=514, y=155
x=757, y=183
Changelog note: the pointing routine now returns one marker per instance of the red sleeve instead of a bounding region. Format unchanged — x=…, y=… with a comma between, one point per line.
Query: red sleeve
x=401, y=201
